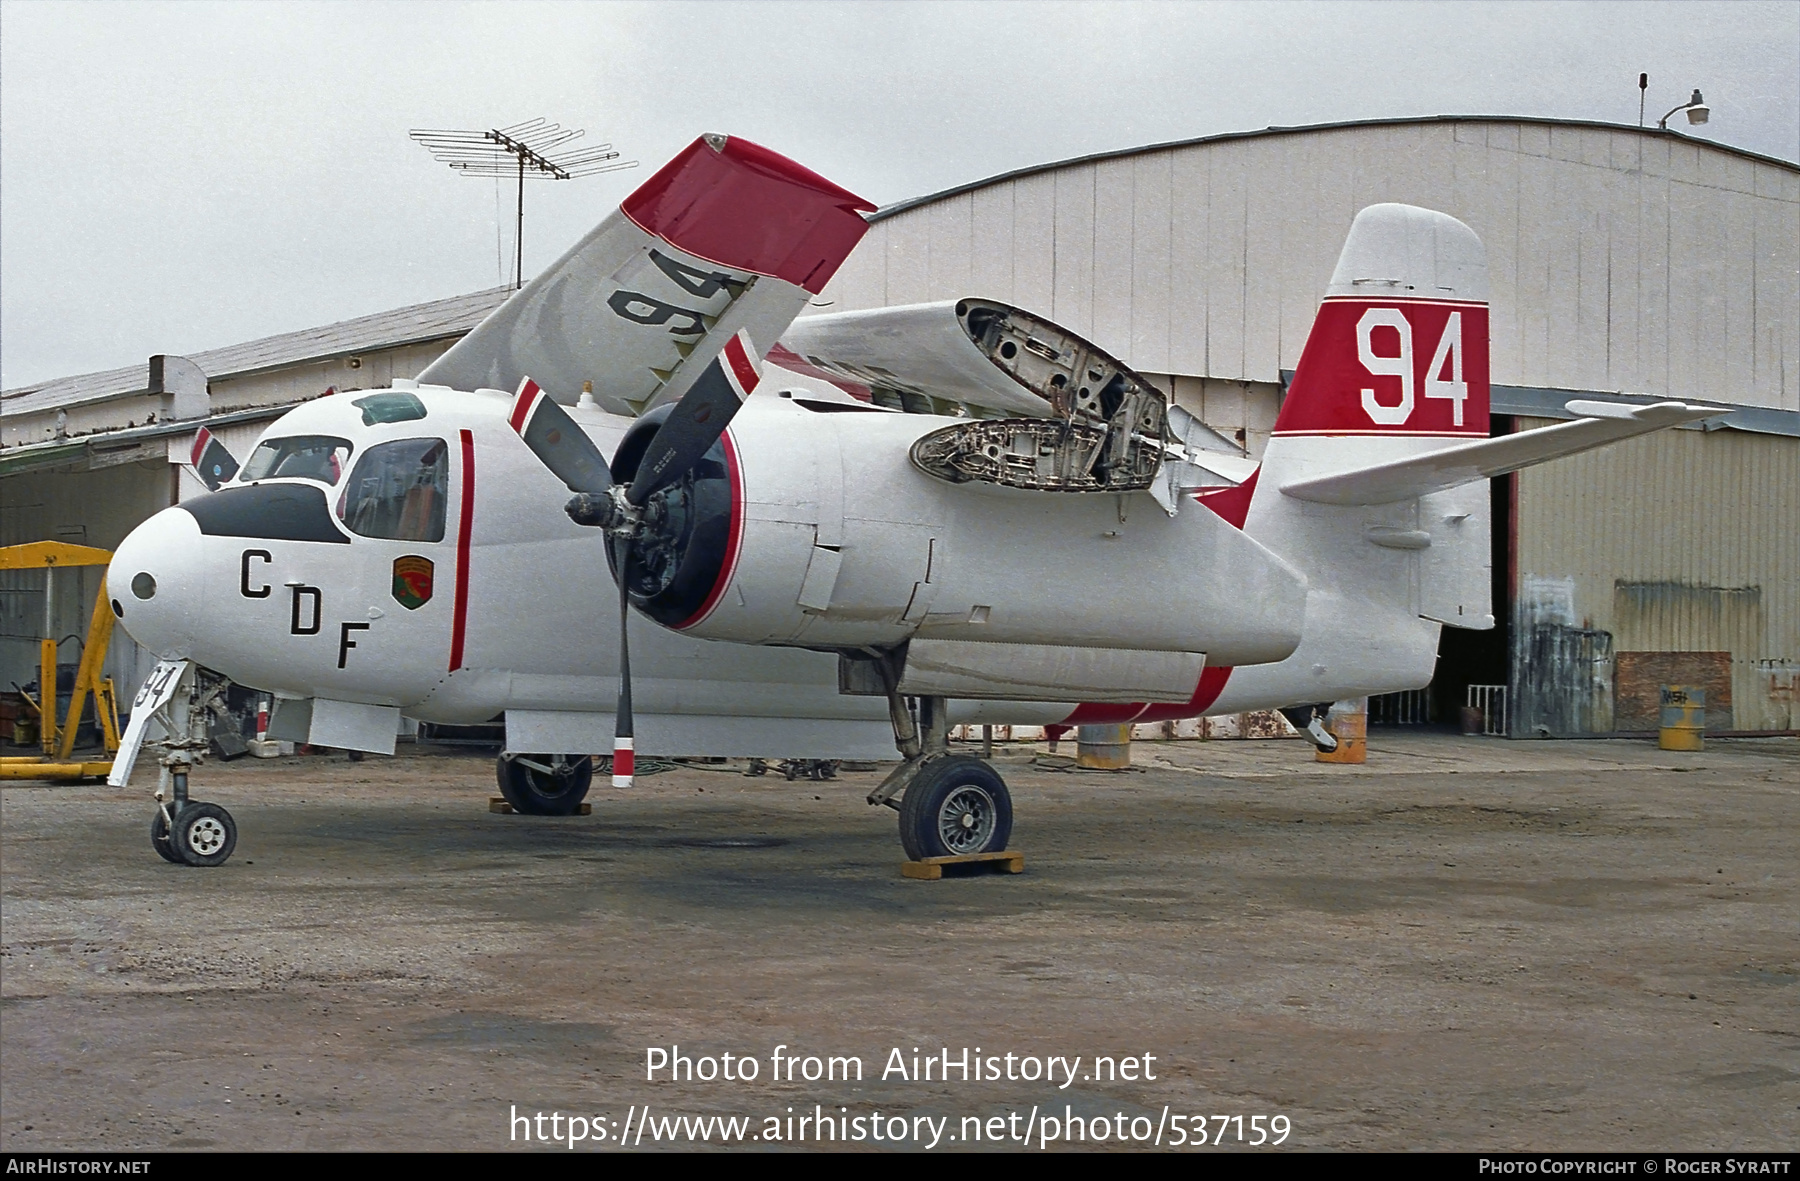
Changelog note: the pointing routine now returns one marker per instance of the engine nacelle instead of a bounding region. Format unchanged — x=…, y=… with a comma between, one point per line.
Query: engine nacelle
x=815, y=529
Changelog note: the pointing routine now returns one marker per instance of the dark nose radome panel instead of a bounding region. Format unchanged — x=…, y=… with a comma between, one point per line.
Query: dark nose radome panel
x=277, y=512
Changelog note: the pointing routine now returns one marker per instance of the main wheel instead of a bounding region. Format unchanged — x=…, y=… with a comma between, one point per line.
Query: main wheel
x=955, y=806
x=159, y=838
x=545, y=785
x=204, y=835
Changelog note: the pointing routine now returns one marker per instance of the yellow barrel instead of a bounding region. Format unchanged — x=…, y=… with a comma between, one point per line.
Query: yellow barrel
x=1349, y=722
x=1683, y=718
x=1103, y=748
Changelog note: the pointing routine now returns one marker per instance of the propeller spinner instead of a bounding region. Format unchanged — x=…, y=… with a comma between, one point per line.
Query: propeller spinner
x=696, y=423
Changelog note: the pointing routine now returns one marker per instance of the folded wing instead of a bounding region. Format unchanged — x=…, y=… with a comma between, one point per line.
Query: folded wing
x=727, y=236
x=932, y=358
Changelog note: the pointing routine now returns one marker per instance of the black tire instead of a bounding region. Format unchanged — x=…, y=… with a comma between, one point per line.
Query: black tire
x=159, y=838
x=955, y=806
x=534, y=793
x=205, y=835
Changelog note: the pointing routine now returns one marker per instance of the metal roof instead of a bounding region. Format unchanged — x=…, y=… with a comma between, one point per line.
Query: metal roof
x=107, y=446
x=1118, y=153
x=391, y=329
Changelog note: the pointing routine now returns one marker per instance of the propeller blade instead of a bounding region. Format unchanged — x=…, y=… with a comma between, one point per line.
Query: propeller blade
x=211, y=462
x=624, y=754
x=554, y=438
x=698, y=419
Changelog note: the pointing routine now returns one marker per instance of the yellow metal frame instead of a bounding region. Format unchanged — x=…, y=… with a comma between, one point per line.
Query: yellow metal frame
x=59, y=740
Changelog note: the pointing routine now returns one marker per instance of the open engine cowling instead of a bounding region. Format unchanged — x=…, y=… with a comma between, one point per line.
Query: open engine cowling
x=816, y=530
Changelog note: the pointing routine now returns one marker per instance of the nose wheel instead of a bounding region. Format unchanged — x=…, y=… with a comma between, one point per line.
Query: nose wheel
x=192, y=832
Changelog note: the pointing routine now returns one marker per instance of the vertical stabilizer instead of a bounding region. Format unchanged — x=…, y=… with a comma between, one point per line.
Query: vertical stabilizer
x=1396, y=365
x=1400, y=346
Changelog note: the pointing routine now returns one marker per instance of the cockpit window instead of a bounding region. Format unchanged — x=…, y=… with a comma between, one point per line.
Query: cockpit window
x=390, y=406
x=305, y=457
x=397, y=491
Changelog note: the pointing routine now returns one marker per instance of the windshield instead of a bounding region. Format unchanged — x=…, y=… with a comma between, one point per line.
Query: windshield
x=305, y=457
x=397, y=491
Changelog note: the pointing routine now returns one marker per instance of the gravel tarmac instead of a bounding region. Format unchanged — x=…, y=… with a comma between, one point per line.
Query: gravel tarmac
x=1465, y=944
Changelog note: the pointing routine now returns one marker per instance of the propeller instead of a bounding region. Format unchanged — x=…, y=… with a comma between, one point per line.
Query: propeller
x=210, y=461
x=695, y=424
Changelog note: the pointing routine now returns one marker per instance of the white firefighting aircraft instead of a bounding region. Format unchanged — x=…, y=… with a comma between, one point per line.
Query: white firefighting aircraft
x=894, y=521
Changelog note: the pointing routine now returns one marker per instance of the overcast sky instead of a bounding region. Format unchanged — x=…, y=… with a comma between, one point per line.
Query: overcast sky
x=176, y=177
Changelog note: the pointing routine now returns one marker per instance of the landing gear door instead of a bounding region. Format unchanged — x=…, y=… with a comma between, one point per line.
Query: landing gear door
x=158, y=690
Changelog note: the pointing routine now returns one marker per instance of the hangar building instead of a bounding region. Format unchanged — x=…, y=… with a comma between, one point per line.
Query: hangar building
x=1624, y=262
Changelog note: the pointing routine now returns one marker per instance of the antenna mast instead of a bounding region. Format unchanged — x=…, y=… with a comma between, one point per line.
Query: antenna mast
x=531, y=150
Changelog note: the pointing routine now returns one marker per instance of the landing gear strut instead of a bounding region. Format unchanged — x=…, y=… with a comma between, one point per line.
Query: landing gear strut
x=949, y=805
x=185, y=831
x=1310, y=721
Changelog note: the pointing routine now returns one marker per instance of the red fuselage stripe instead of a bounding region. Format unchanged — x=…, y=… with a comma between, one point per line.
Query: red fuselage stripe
x=1360, y=433
x=465, y=526
x=1212, y=683
x=787, y=358
x=734, y=544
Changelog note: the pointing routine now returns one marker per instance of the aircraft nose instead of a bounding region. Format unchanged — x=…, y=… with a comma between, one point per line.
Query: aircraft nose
x=156, y=582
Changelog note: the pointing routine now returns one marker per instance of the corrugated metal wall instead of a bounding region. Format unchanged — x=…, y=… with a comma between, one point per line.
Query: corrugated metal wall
x=1621, y=259
x=1681, y=541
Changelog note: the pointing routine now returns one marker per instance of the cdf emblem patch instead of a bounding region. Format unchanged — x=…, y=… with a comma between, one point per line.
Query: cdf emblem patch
x=412, y=581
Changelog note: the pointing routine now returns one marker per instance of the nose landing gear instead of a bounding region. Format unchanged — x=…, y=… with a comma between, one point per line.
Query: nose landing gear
x=190, y=832
x=183, y=831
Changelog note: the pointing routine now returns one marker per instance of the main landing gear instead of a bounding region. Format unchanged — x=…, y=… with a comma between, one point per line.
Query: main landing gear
x=949, y=805
x=544, y=785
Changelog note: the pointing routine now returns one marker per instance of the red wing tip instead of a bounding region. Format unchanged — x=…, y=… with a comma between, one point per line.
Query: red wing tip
x=772, y=163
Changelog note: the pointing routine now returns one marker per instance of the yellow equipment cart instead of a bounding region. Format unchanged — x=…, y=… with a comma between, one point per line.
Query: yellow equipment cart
x=58, y=739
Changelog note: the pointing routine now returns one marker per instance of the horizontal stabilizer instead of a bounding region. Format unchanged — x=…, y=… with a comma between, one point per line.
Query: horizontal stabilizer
x=1434, y=471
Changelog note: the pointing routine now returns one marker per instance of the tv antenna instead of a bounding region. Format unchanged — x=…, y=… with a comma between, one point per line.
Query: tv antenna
x=531, y=149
